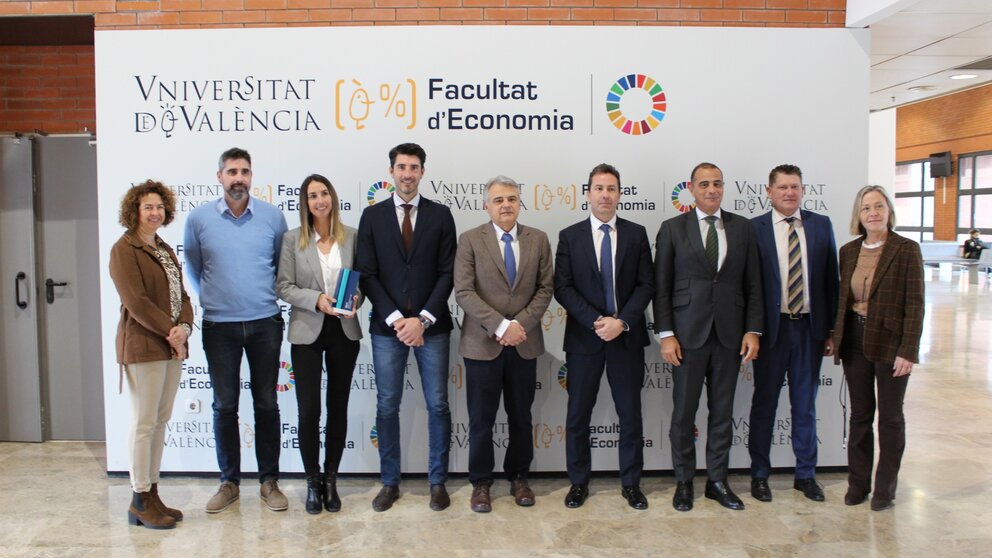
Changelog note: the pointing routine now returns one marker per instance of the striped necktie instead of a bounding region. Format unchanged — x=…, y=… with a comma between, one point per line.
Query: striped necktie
x=795, y=297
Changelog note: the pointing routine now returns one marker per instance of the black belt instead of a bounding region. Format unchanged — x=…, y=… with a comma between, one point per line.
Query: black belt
x=861, y=320
x=786, y=315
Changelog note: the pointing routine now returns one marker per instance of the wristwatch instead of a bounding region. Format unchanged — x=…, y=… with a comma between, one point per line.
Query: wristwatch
x=425, y=322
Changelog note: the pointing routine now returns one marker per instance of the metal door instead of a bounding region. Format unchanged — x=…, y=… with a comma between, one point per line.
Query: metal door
x=20, y=391
x=69, y=283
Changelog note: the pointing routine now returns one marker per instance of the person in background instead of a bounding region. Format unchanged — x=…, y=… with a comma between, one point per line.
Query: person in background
x=877, y=333
x=313, y=257
x=973, y=246
x=151, y=340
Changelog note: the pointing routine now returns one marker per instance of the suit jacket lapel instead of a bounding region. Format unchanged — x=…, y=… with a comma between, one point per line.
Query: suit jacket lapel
x=810, y=232
x=766, y=237
x=492, y=248
x=621, y=249
x=523, y=234
x=884, y=261
x=585, y=230
x=313, y=262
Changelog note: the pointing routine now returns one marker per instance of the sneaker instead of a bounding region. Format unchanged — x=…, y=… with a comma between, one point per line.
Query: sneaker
x=226, y=495
x=273, y=497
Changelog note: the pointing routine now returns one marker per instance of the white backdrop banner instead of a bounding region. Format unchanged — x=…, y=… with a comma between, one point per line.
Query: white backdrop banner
x=542, y=105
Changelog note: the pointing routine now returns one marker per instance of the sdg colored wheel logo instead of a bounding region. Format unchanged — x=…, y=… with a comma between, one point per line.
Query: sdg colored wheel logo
x=374, y=436
x=379, y=191
x=292, y=377
x=682, y=198
x=643, y=111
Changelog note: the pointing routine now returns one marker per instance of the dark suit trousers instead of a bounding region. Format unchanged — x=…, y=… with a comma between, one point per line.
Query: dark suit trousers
x=718, y=366
x=513, y=377
x=334, y=350
x=799, y=356
x=862, y=376
x=625, y=374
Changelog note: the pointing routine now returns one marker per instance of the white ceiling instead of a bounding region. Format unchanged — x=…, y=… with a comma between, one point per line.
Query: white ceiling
x=922, y=43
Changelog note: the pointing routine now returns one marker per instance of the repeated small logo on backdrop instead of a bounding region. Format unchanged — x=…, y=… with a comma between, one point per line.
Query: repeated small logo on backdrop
x=379, y=191
x=292, y=377
x=563, y=376
x=682, y=198
x=374, y=436
x=642, y=111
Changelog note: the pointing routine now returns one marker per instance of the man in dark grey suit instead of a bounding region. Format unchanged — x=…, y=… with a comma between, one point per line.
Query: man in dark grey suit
x=708, y=315
x=503, y=283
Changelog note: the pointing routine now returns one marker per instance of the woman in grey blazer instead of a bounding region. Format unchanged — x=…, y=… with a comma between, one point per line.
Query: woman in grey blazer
x=313, y=256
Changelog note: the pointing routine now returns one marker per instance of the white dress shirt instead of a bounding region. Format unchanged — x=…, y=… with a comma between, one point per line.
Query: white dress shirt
x=781, y=229
x=330, y=265
x=515, y=246
x=597, y=242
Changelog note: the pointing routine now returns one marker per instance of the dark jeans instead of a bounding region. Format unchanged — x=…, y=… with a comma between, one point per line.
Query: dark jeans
x=224, y=343
x=334, y=350
x=514, y=378
x=862, y=377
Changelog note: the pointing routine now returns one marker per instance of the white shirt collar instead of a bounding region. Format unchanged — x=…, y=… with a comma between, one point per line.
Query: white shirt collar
x=499, y=231
x=415, y=202
x=778, y=217
x=222, y=206
x=700, y=215
x=596, y=223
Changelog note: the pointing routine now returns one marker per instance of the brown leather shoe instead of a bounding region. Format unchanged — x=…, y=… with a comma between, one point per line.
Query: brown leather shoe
x=143, y=511
x=385, y=498
x=481, y=502
x=439, y=497
x=171, y=512
x=521, y=492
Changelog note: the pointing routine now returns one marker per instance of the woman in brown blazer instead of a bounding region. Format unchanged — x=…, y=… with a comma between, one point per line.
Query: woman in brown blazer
x=151, y=340
x=879, y=322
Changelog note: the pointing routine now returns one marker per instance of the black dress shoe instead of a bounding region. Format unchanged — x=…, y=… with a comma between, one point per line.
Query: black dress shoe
x=315, y=494
x=576, y=495
x=439, y=497
x=385, y=498
x=635, y=498
x=881, y=504
x=683, y=496
x=810, y=489
x=854, y=497
x=721, y=492
x=760, y=490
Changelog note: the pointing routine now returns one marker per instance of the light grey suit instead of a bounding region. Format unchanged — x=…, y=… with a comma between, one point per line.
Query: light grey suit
x=300, y=282
x=482, y=290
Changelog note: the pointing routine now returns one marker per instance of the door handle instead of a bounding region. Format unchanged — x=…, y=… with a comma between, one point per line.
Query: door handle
x=21, y=276
x=50, y=289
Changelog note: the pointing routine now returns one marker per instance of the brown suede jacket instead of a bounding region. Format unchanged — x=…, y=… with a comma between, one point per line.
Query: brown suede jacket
x=146, y=316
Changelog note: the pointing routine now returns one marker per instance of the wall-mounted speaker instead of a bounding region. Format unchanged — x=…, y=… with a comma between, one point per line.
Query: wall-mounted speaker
x=940, y=164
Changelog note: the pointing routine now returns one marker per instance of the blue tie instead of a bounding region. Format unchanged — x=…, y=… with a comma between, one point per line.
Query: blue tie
x=508, y=259
x=606, y=270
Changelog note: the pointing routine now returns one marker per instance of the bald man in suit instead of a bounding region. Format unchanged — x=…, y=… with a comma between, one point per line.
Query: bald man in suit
x=503, y=282
x=708, y=315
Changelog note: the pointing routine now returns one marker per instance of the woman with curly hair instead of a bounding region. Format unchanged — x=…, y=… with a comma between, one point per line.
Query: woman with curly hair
x=156, y=316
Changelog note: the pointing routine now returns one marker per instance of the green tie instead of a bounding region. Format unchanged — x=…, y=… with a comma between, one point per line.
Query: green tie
x=712, y=243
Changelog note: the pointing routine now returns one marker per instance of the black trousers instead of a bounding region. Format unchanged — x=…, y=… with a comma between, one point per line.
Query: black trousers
x=485, y=380
x=625, y=373
x=338, y=354
x=718, y=366
x=863, y=376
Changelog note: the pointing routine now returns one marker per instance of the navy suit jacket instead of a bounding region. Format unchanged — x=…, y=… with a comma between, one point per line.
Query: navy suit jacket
x=821, y=264
x=691, y=299
x=394, y=280
x=579, y=285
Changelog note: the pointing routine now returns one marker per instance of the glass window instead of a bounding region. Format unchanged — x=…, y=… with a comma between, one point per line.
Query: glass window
x=904, y=180
x=964, y=211
x=928, y=211
x=928, y=183
x=983, y=171
x=908, y=212
x=928, y=236
x=965, y=165
x=983, y=211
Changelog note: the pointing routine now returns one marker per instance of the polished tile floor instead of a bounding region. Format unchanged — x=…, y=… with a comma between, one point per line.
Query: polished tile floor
x=55, y=499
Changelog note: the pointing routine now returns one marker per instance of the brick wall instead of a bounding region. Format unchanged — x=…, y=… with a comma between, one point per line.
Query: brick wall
x=959, y=123
x=51, y=88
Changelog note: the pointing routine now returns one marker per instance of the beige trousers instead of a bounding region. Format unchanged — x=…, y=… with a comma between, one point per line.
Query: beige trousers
x=153, y=387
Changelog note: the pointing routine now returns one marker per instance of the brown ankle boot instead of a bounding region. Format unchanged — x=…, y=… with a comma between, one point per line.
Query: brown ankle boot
x=143, y=511
x=171, y=512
